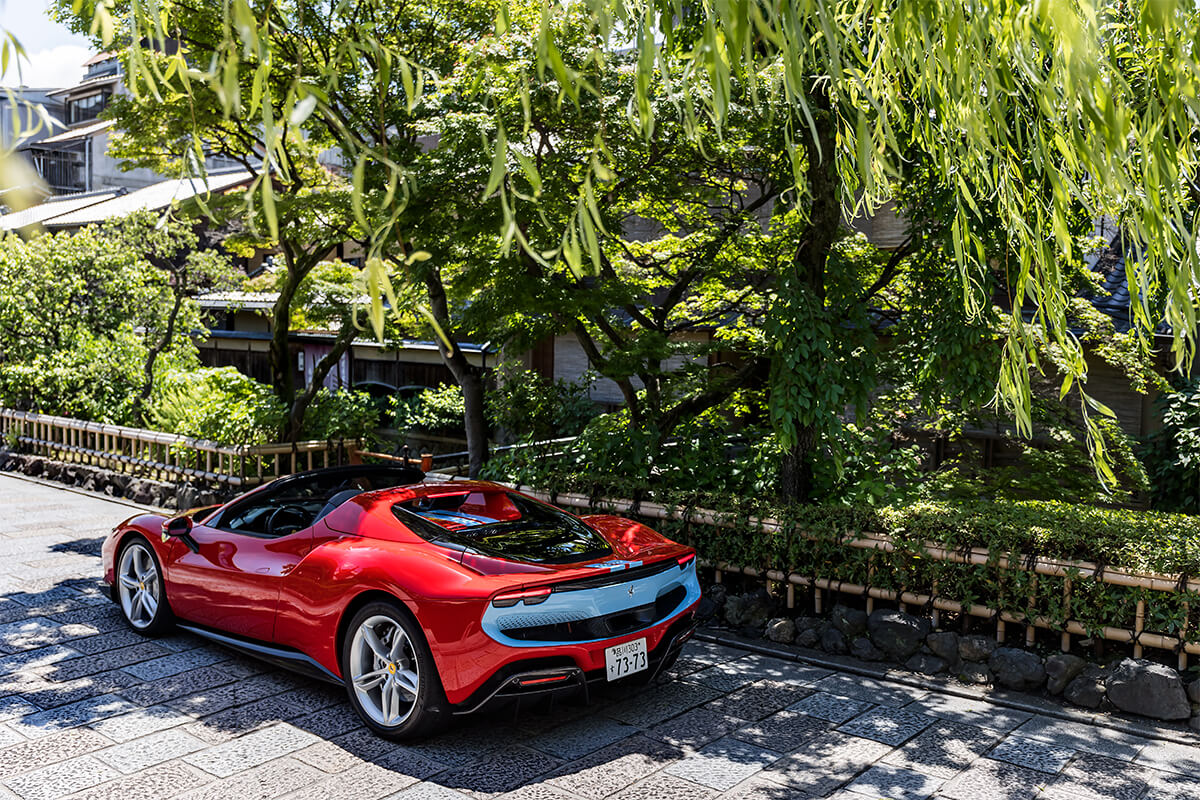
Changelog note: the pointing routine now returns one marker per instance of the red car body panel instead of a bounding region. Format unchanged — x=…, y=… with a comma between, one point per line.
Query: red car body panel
x=298, y=590
x=233, y=583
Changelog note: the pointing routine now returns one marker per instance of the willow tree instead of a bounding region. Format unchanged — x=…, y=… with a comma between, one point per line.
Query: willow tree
x=20, y=186
x=1035, y=110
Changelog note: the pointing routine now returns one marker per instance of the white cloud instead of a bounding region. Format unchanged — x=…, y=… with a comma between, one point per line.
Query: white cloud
x=54, y=67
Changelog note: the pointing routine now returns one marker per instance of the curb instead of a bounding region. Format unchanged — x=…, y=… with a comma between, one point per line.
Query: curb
x=84, y=493
x=1128, y=725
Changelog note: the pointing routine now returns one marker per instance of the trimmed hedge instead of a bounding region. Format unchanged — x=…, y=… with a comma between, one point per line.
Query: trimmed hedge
x=1144, y=541
x=811, y=542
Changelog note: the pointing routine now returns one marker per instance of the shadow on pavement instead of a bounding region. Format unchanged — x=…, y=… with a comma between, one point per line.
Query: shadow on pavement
x=77, y=682
x=83, y=547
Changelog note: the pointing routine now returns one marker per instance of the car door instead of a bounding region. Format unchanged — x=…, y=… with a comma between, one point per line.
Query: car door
x=232, y=582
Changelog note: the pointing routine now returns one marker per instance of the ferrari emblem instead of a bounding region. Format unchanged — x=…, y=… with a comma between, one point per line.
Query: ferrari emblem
x=631, y=591
x=391, y=668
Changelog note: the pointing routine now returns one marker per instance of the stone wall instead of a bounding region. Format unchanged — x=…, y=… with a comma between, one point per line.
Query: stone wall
x=1136, y=686
x=168, y=496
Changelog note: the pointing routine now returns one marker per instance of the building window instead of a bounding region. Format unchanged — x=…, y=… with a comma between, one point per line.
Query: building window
x=62, y=171
x=87, y=108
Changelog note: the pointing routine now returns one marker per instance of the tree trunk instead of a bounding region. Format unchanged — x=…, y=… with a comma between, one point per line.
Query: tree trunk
x=796, y=470
x=303, y=400
x=139, y=402
x=599, y=363
x=475, y=423
x=468, y=377
x=281, y=324
x=808, y=276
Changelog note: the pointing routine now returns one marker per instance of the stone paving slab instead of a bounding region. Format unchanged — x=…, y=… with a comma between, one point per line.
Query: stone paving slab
x=88, y=709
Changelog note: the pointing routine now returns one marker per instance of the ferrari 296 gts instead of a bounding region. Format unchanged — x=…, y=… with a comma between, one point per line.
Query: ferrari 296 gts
x=424, y=599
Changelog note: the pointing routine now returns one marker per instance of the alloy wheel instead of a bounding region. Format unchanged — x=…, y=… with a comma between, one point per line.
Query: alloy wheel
x=384, y=671
x=138, y=585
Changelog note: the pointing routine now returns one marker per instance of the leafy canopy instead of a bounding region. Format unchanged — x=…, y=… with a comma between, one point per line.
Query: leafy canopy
x=81, y=313
x=1038, y=109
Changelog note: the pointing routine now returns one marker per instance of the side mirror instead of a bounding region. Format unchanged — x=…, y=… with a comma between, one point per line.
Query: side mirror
x=180, y=528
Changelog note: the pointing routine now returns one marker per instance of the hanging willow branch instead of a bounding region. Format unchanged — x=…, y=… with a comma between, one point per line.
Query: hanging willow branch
x=1036, y=110
x=20, y=186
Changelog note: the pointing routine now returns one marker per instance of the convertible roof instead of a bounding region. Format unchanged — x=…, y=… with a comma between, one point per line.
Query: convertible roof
x=405, y=474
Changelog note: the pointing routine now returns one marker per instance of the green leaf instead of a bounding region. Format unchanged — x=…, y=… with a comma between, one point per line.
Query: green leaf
x=499, y=162
x=302, y=110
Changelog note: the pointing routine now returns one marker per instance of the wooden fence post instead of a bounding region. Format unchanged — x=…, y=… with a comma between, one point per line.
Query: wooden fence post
x=1065, y=639
x=1139, y=624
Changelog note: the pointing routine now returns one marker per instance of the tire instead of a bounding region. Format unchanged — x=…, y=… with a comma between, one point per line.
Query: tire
x=392, y=683
x=139, y=589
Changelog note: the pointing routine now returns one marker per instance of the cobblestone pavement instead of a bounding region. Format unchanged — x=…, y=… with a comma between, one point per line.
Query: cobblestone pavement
x=90, y=710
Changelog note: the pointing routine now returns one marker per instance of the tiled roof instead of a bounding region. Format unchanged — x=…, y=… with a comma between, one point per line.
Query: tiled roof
x=1114, y=297
x=256, y=301
x=55, y=206
x=87, y=83
x=154, y=197
x=75, y=133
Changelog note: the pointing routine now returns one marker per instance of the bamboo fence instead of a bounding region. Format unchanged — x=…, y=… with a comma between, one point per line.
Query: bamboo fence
x=1068, y=571
x=166, y=456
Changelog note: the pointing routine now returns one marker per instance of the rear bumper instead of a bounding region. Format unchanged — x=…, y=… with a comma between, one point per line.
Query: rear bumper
x=618, y=603
x=536, y=676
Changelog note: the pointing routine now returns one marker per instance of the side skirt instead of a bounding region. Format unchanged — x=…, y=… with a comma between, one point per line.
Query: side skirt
x=280, y=656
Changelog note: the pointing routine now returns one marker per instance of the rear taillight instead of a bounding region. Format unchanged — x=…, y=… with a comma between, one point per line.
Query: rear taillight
x=684, y=561
x=530, y=597
x=539, y=681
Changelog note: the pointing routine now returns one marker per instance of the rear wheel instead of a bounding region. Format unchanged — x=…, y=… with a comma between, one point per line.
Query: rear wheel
x=390, y=676
x=140, y=589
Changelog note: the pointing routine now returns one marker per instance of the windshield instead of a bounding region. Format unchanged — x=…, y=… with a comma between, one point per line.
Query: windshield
x=501, y=524
x=306, y=497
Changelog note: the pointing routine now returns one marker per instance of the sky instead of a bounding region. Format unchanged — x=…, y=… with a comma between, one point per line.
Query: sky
x=56, y=55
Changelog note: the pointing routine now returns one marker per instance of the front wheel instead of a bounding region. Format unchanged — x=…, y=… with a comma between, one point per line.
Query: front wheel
x=140, y=589
x=390, y=675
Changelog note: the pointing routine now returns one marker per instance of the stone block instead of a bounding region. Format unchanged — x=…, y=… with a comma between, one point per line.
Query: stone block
x=1152, y=690
x=851, y=622
x=896, y=633
x=1017, y=669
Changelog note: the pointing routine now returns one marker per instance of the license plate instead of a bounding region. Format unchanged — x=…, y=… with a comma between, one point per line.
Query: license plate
x=625, y=659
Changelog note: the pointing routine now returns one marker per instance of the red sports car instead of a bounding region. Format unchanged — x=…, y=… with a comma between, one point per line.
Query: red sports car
x=425, y=599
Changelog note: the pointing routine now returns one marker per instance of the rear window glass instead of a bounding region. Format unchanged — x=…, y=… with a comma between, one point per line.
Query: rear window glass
x=501, y=524
x=469, y=510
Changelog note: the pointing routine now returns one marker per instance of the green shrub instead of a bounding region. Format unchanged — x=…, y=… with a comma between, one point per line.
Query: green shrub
x=435, y=411
x=1172, y=453
x=1055, y=467
x=614, y=456
x=530, y=407
x=812, y=541
x=96, y=380
x=872, y=470
x=218, y=404
x=83, y=313
x=341, y=414
x=711, y=458
x=872, y=494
